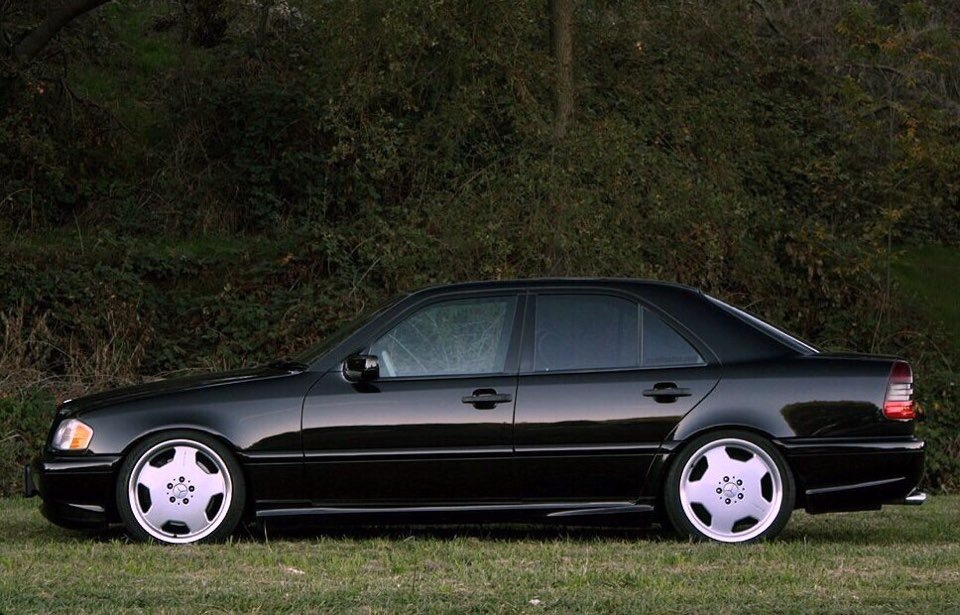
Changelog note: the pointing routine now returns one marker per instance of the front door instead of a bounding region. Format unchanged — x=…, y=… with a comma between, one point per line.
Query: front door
x=436, y=427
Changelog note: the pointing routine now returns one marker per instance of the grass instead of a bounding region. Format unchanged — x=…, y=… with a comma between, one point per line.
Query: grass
x=930, y=277
x=105, y=246
x=899, y=559
x=126, y=79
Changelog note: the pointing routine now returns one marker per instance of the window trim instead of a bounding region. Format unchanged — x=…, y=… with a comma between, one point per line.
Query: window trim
x=511, y=362
x=526, y=367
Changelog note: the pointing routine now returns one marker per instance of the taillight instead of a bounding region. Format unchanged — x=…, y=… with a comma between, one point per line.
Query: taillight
x=898, y=405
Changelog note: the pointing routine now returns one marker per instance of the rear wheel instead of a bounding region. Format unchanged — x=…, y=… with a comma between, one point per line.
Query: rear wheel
x=729, y=486
x=180, y=487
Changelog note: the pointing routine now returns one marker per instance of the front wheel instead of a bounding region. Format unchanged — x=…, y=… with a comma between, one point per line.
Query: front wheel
x=180, y=487
x=729, y=486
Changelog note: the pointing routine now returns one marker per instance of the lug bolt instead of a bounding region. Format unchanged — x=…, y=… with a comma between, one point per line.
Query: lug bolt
x=181, y=479
x=186, y=501
x=719, y=490
x=172, y=499
x=726, y=479
x=739, y=496
x=739, y=482
x=192, y=488
x=169, y=485
x=728, y=500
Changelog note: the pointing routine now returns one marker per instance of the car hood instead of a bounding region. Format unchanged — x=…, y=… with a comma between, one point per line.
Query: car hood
x=177, y=385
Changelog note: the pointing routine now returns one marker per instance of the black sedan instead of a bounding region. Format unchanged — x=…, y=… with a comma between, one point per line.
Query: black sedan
x=608, y=400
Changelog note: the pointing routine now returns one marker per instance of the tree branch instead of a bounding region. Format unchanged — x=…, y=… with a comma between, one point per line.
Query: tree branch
x=561, y=35
x=60, y=15
x=766, y=16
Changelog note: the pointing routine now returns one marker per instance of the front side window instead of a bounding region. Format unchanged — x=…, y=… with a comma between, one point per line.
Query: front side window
x=449, y=338
x=596, y=332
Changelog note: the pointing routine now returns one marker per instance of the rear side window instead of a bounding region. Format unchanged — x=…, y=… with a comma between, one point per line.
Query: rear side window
x=585, y=332
x=595, y=332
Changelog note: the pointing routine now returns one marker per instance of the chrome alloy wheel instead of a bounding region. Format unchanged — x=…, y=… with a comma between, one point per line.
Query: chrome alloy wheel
x=180, y=491
x=731, y=490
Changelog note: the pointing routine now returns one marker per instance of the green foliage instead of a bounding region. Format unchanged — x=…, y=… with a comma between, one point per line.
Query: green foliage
x=150, y=308
x=176, y=207
x=939, y=392
x=929, y=277
x=24, y=421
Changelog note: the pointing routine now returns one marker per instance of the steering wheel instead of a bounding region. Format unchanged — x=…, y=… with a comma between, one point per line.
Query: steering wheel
x=387, y=364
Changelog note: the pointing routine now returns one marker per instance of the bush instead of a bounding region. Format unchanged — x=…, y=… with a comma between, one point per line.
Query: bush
x=766, y=152
x=939, y=394
x=25, y=419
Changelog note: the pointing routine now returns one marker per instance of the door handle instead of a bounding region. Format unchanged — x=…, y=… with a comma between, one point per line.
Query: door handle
x=486, y=399
x=666, y=392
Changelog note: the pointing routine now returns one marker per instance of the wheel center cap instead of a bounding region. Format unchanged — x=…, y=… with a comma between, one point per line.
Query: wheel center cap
x=180, y=491
x=730, y=490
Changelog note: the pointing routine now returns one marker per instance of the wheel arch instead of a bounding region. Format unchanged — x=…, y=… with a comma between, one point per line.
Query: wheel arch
x=199, y=523
x=232, y=448
x=670, y=484
x=196, y=428
x=672, y=449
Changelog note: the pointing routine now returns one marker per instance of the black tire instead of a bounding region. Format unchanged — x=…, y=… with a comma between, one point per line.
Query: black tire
x=180, y=487
x=729, y=486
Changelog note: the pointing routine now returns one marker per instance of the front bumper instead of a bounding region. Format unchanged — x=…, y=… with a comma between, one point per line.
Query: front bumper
x=29, y=488
x=77, y=492
x=855, y=474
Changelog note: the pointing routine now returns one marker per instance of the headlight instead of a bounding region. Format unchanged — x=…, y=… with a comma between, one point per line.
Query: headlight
x=72, y=435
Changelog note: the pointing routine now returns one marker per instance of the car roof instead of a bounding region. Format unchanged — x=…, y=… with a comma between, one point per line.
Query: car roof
x=553, y=282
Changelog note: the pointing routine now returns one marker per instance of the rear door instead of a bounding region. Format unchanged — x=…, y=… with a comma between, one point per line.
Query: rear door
x=603, y=380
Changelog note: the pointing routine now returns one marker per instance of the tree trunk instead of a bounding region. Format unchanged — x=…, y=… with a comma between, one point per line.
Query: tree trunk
x=210, y=25
x=561, y=38
x=61, y=13
x=265, y=6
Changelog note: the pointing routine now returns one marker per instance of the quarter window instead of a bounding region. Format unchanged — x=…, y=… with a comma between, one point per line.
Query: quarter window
x=459, y=337
x=664, y=347
x=593, y=332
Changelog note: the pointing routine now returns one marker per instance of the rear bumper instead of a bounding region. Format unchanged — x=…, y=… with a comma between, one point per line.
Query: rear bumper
x=855, y=474
x=916, y=498
x=77, y=492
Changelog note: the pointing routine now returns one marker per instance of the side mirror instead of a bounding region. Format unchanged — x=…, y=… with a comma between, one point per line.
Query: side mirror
x=361, y=368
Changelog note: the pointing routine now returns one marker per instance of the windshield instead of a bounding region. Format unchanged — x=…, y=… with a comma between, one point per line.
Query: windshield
x=778, y=334
x=345, y=330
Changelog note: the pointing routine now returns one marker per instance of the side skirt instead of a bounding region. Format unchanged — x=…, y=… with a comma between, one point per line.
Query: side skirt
x=552, y=510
